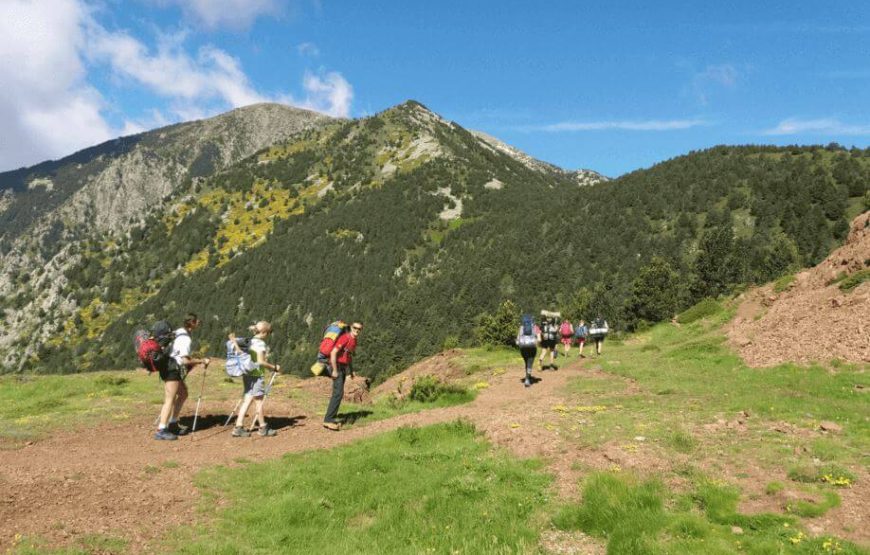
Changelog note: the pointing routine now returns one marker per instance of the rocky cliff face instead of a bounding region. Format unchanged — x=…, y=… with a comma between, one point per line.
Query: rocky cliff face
x=582, y=177
x=99, y=192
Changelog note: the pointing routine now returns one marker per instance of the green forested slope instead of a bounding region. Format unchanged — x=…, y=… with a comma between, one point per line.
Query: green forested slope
x=344, y=222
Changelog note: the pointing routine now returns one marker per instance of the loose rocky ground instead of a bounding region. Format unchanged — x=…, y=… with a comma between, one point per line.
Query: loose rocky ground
x=812, y=320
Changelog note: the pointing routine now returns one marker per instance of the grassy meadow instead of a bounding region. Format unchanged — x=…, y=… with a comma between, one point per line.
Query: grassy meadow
x=718, y=458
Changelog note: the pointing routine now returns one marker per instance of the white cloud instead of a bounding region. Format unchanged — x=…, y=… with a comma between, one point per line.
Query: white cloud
x=821, y=126
x=642, y=125
x=47, y=108
x=328, y=92
x=173, y=73
x=714, y=77
x=233, y=14
x=308, y=49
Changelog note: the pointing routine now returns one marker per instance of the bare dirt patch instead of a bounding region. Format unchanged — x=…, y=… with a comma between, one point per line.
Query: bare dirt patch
x=813, y=320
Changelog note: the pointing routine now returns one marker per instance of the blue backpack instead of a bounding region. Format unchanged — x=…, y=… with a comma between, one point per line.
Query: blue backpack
x=239, y=361
x=527, y=337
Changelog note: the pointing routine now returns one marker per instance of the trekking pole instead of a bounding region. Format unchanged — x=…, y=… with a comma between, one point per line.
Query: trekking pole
x=199, y=399
x=235, y=408
x=265, y=394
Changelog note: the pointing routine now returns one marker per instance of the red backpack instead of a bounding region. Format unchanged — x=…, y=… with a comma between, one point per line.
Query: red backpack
x=330, y=336
x=152, y=347
x=565, y=329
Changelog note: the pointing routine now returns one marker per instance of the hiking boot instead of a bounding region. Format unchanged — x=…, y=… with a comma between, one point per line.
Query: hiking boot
x=165, y=435
x=528, y=382
x=266, y=431
x=334, y=426
x=179, y=429
x=239, y=431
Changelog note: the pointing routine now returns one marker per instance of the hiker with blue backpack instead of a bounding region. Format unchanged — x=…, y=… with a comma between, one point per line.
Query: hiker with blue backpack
x=173, y=373
x=527, y=340
x=580, y=334
x=252, y=368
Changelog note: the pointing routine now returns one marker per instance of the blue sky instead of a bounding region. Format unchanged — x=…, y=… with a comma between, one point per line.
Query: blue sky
x=610, y=86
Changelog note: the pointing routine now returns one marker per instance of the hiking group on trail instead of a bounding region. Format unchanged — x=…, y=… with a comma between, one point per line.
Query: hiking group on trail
x=168, y=353
x=530, y=336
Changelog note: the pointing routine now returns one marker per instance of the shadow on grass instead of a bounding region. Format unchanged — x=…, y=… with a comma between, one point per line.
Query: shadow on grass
x=349, y=418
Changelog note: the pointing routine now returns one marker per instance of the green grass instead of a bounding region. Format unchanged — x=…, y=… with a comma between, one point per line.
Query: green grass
x=371, y=497
x=783, y=283
x=429, y=396
x=704, y=308
x=31, y=405
x=87, y=544
x=641, y=516
x=685, y=392
x=851, y=282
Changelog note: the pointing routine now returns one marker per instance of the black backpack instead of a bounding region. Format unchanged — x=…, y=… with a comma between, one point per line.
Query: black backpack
x=549, y=330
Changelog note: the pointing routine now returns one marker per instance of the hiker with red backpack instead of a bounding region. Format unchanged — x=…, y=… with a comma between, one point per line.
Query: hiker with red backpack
x=173, y=374
x=566, y=331
x=340, y=365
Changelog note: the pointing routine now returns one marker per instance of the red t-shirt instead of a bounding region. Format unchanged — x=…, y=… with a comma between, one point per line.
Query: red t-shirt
x=346, y=344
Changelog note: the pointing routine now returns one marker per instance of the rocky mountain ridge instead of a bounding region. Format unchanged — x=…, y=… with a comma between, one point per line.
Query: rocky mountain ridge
x=101, y=191
x=395, y=218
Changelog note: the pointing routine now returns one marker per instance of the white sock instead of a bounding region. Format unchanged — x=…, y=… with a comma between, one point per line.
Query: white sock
x=173, y=421
x=161, y=427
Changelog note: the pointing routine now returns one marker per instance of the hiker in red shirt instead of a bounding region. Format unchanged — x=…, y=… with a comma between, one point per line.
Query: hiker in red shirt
x=341, y=363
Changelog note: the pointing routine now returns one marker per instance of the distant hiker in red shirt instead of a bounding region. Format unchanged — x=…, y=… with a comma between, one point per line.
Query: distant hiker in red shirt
x=341, y=362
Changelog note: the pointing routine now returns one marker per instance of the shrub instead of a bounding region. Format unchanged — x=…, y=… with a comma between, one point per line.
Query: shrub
x=854, y=280
x=428, y=389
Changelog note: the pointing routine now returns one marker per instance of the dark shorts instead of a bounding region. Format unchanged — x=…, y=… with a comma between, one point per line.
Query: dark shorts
x=172, y=372
x=581, y=340
x=548, y=344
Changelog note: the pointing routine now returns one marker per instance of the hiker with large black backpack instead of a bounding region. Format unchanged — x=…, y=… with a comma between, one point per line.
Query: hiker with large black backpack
x=173, y=374
x=597, y=332
x=255, y=388
x=527, y=340
x=549, y=338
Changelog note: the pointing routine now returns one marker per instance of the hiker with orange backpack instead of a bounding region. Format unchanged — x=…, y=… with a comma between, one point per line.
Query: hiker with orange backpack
x=173, y=373
x=340, y=365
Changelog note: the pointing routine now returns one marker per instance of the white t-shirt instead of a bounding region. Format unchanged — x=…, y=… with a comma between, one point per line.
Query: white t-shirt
x=259, y=346
x=181, y=346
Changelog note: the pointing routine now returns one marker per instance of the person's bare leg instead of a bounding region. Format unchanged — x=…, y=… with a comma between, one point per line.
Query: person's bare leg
x=180, y=398
x=259, y=418
x=170, y=390
x=243, y=410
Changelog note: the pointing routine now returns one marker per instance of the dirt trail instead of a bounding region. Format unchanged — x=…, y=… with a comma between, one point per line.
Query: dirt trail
x=115, y=480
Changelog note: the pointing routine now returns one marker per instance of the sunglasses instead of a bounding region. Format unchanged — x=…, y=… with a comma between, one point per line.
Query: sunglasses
x=357, y=328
